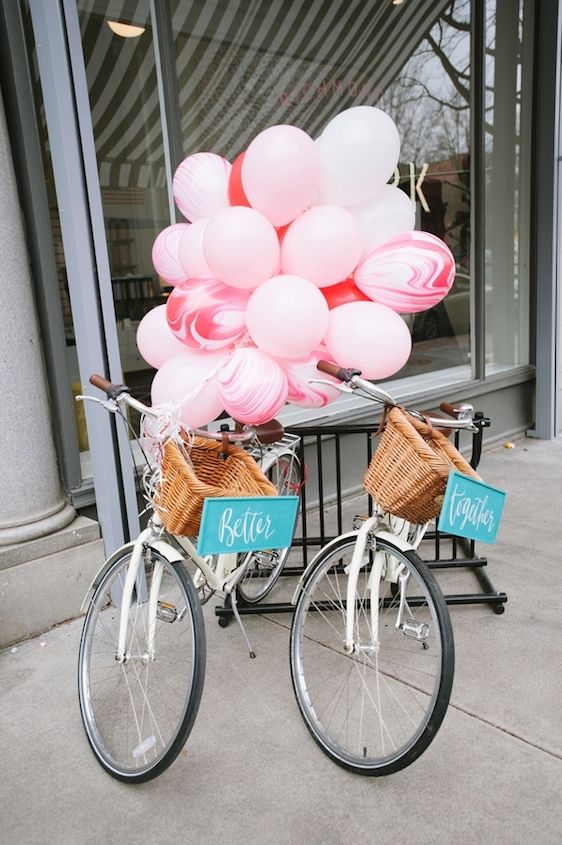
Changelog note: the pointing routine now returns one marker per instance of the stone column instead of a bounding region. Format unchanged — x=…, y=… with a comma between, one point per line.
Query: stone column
x=32, y=503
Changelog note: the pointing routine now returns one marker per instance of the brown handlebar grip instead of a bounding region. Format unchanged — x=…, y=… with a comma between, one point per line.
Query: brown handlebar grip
x=100, y=381
x=449, y=409
x=328, y=367
x=342, y=373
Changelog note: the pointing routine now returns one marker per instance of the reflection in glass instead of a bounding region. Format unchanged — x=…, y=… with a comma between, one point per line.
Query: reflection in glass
x=430, y=103
x=122, y=84
x=256, y=63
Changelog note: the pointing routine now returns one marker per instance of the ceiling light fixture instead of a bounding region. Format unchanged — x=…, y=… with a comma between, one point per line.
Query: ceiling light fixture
x=125, y=30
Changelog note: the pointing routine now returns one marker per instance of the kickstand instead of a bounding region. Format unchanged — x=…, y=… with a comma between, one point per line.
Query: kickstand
x=234, y=606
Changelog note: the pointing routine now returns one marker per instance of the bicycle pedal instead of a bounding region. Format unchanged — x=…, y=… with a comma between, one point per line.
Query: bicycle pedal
x=416, y=630
x=166, y=612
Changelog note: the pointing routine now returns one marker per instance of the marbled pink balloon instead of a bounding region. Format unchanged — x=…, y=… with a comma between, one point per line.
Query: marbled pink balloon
x=207, y=314
x=252, y=386
x=165, y=254
x=409, y=273
x=200, y=185
x=299, y=376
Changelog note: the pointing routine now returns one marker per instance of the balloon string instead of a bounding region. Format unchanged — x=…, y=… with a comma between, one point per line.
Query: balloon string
x=156, y=432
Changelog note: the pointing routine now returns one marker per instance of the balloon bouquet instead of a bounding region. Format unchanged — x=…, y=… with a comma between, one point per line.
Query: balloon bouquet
x=297, y=251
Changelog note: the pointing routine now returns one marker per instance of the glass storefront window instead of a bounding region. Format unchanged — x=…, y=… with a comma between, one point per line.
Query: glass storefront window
x=252, y=64
x=120, y=65
x=507, y=191
x=429, y=101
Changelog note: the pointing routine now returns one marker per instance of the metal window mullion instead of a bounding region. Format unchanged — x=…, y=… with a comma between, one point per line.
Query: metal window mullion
x=168, y=94
x=478, y=191
x=56, y=83
x=547, y=154
x=95, y=207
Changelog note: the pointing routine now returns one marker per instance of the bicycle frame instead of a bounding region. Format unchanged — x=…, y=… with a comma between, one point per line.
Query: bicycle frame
x=221, y=572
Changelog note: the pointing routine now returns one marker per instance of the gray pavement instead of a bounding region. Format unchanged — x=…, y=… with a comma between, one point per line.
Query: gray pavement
x=250, y=772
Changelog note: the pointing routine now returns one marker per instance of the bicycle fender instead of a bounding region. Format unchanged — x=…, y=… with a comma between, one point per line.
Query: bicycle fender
x=304, y=576
x=165, y=549
x=101, y=572
x=394, y=540
x=171, y=554
x=390, y=538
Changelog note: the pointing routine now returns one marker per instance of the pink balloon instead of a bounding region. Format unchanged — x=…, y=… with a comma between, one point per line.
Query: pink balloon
x=165, y=254
x=190, y=251
x=369, y=337
x=287, y=316
x=301, y=373
x=204, y=313
x=252, y=386
x=409, y=273
x=324, y=245
x=389, y=213
x=155, y=340
x=200, y=185
x=189, y=383
x=280, y=173
x=241, y=247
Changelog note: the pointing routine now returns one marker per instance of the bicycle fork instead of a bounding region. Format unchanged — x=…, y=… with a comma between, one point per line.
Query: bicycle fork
x=410, y=626
x=132, y=578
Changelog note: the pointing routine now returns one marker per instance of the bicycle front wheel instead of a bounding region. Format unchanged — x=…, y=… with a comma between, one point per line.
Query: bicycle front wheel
x=139, y=712
x=265, y=567
x=375, y=710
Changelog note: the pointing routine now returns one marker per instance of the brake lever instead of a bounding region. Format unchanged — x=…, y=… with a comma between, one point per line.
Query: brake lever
x=108, y=404
x=343, y=388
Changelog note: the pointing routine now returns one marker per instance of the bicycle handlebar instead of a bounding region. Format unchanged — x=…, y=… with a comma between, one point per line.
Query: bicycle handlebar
x=462, y=417
x=266, y=433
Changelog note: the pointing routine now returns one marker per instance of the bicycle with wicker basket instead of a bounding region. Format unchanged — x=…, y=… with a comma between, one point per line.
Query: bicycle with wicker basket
x=372, y=653
x=141, y=661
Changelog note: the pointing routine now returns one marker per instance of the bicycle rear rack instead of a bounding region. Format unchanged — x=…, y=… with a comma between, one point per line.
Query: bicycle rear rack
x=331, y=497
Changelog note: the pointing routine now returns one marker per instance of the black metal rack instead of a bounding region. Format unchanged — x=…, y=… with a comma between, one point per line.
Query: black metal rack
x=328, y=493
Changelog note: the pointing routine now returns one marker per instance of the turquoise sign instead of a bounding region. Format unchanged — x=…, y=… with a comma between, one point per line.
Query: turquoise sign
x=471, y=508
x=247, y=524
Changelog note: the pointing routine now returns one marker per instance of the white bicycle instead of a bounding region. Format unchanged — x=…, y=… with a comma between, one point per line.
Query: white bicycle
x=142, y=653
x=372, y=654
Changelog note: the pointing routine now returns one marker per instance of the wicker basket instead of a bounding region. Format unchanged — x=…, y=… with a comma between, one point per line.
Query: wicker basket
x=184, y=488
x=408, y=473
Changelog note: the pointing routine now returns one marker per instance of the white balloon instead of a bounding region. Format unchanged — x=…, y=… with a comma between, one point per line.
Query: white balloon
x=359, y=150
x=390, y=212
x=190, y=251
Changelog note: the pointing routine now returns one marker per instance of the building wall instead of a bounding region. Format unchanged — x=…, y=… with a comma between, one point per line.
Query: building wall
x=47, y=554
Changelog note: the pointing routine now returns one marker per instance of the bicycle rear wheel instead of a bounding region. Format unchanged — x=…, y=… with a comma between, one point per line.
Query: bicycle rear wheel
x=265, y=567
x=138, y=713
x=376, y=710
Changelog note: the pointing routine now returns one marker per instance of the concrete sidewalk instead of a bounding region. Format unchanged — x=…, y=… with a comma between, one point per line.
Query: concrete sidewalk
x=250, y=772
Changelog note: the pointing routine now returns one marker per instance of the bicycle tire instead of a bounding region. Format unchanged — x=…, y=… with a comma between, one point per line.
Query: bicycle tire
x=373, y=714
x=137, y=714
x=265, y=567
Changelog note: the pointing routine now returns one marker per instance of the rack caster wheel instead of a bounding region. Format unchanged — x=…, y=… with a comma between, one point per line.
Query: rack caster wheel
x=499, y=608
x=225, y=620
